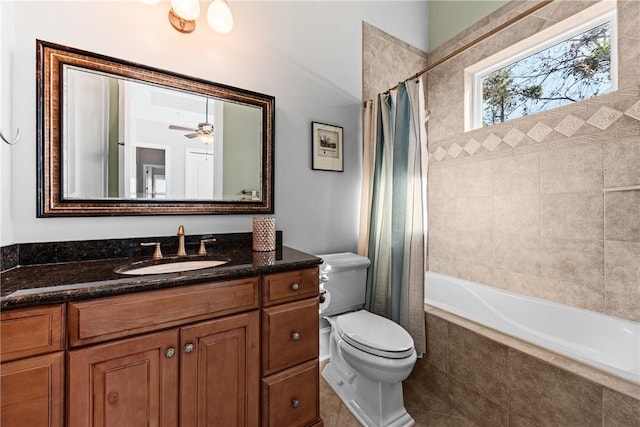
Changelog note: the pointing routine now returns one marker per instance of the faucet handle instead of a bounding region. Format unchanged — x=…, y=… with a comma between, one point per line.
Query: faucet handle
x=158, y=253
x=203, y=249
x=181, y=250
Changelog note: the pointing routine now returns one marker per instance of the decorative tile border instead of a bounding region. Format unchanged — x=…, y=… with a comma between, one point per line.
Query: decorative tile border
x=634, y=111
x=525, y=133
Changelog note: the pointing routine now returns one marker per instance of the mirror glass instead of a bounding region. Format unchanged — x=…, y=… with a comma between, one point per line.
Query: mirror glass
x=121, y=138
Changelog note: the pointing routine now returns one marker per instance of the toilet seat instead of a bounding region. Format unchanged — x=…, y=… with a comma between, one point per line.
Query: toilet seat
x=374, y=334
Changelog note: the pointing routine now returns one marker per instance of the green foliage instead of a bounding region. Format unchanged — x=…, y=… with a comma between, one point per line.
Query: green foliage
x=575, y=69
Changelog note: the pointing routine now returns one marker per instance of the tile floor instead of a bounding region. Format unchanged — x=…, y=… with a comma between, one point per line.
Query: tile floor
x=426, y=408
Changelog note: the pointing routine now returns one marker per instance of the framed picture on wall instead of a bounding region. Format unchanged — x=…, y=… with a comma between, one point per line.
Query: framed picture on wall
x=326, y=147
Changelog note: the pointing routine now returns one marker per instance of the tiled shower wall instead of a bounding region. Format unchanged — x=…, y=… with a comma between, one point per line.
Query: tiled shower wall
x=547, y=205
x=386, y=60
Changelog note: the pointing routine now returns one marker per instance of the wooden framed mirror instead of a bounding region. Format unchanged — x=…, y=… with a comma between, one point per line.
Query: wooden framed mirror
x=119, y=138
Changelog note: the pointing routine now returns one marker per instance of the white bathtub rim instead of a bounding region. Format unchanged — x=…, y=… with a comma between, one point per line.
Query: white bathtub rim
x=594, y=374
x=575, y=350
x=569, y=349
x=520, y=295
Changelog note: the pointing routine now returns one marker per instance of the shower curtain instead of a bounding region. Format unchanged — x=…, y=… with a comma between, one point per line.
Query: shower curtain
x=393, y=206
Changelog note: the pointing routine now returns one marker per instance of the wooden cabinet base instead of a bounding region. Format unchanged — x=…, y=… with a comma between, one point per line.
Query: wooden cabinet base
x=32, y=391
x=191, y=356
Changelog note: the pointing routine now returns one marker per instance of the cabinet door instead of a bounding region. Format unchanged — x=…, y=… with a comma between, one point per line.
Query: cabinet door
x=219, y=373
x=132, y=382
x=31, y=391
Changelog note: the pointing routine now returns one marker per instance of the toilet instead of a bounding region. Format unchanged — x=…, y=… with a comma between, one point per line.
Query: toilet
x=369, y=355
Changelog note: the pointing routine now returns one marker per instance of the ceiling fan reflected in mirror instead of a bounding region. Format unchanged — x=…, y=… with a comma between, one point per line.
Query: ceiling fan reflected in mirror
x=204, y=131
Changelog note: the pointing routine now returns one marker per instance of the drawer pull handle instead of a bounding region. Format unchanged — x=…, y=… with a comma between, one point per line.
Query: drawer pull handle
x=295, y=286
x=295, y=336
x=295, y=403
x=188, y=348
x=170, y=353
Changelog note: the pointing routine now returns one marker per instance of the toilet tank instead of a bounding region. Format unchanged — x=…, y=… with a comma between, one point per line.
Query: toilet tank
x=344, y=277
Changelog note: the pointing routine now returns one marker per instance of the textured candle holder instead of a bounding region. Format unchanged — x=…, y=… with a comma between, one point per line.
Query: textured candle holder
x=264, y=234
x=264, y=258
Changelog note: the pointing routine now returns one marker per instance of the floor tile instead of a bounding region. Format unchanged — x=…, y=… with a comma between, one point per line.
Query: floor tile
x=427, y=409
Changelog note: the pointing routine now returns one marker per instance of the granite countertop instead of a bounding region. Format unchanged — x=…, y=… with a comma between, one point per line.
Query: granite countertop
x=33, y=285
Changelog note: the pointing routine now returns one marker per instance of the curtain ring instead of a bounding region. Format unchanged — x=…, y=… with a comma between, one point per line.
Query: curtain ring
x=14, y=141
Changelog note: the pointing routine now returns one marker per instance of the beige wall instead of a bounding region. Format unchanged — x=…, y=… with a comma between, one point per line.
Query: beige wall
x=386, y=61
x=279, y=48
x=536, y=205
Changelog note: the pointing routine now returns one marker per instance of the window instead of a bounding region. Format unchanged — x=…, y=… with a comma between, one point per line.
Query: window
x=568, y=62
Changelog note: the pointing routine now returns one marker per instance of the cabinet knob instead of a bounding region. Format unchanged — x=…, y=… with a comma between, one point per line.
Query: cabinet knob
x=170, y=352
x=295, y=403
x=295, y=286
x=188, y=348
x=295, y=336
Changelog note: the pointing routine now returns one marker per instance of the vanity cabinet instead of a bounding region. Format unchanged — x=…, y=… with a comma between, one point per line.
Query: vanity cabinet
x=32, y=367
x=207, y=369
x=240, y=352
x=202, y=373
x=290, y=349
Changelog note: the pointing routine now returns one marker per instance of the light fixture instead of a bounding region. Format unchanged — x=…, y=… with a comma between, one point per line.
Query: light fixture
x=205, y=134
x=219, y=16
x=186, y=9
x=205, y=130
x=183, y=15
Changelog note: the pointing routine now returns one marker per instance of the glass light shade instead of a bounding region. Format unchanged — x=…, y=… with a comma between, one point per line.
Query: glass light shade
x=186, y=9
x=219, y=16
x=206, y=138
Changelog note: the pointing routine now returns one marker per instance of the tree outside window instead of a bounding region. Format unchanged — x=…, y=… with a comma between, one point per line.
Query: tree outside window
x=575, y=69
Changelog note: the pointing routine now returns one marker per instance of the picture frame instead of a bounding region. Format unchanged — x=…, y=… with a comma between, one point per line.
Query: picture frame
x=327, y=152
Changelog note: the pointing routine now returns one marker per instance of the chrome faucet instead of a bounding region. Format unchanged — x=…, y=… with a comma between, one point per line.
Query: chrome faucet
x=181, y=250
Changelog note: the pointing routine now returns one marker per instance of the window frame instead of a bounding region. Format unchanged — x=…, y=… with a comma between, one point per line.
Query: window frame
x=591, y=17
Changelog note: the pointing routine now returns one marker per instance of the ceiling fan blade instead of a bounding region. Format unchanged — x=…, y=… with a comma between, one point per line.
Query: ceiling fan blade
x=174, y=127
x=192, y=135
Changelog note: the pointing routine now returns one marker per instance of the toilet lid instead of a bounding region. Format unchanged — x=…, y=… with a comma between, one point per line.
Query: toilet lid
x=375, y=334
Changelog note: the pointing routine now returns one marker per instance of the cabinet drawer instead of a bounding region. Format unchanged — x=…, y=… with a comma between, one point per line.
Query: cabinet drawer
x=290, y=398
x=290, y=334
x=108, y=318
x=289, y=286
x=30, y=332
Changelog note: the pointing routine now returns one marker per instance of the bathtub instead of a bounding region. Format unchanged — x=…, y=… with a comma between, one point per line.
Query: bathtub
x=603, y=342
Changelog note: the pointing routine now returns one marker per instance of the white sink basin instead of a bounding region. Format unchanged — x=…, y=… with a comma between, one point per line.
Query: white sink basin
x=173, y=267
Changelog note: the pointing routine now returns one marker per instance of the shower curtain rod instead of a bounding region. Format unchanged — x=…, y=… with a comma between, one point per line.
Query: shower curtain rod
x=472, y=43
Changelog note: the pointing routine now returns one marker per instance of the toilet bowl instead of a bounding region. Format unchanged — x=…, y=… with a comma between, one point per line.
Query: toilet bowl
x=369, y=355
